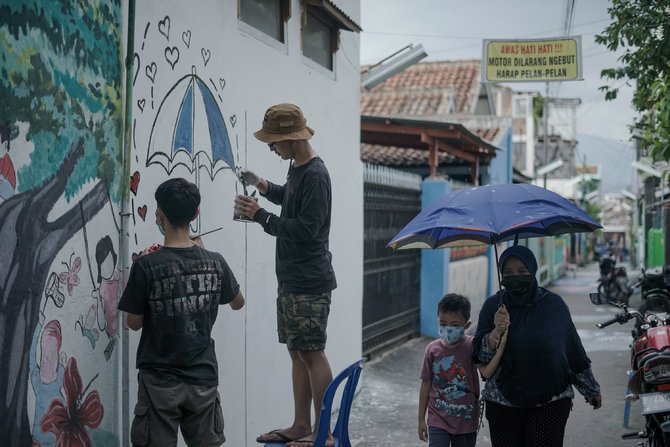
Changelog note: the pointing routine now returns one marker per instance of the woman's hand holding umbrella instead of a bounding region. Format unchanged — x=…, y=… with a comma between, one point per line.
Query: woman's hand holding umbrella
x=501, y=323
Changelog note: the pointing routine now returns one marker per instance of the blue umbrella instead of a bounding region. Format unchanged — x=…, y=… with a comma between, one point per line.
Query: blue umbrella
x=491, y=214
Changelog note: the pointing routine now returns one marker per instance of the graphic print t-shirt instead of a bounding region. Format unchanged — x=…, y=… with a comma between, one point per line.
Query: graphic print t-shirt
x=179, y=290
x=454, y=393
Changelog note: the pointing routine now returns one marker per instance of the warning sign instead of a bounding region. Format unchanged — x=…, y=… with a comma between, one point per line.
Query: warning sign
x=542, y=60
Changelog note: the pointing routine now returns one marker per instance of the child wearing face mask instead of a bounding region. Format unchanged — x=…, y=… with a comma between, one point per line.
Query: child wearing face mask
x=449, y=383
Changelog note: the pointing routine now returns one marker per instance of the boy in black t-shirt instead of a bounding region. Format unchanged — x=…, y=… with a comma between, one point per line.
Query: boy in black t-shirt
x=173, y=295
x=304, y=267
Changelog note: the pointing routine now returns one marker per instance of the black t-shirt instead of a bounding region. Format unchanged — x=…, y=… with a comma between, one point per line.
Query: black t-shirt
x=179, y=290
x=303, y=260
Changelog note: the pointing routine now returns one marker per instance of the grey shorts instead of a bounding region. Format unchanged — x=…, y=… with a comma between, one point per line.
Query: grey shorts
x=165, y=404
x=302, y=320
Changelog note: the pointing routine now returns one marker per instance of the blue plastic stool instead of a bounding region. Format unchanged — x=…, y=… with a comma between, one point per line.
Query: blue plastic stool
x=341, y=431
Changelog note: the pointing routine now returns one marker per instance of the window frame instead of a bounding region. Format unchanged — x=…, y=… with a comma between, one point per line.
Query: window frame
x=247, y=28
x=334, y=32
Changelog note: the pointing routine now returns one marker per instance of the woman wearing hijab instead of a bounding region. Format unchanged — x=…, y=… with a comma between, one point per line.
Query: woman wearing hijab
x=529, y=398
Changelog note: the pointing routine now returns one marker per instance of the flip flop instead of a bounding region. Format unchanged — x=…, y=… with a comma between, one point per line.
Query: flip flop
x=274, y=436
x=304, y=442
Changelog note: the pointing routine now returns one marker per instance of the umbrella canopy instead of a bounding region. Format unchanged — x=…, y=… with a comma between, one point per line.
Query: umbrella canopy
x=189, y=125
x=491, y=214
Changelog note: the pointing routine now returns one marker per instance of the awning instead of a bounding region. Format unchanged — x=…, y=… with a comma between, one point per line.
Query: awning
x=451, y=138
x=339, y=18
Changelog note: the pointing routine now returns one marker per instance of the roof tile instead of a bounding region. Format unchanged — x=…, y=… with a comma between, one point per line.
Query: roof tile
x=421, y=88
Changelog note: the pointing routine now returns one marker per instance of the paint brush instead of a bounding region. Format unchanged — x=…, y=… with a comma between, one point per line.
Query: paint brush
x=206, y=232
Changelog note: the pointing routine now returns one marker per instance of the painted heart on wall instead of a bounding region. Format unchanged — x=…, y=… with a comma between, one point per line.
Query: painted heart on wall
x=134, y=182
x=142, y=211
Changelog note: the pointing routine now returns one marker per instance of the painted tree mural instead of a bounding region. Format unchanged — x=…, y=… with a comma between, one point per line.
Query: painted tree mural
x=60, y=73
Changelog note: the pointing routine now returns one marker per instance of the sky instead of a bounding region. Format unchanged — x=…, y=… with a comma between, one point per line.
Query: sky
x=454, y=29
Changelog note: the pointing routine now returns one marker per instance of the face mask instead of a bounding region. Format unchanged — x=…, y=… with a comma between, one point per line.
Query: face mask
x=451, y=334
x=520, y=288
x=160, y=227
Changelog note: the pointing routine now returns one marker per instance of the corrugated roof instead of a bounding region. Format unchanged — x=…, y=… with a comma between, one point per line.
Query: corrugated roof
x=343, y=20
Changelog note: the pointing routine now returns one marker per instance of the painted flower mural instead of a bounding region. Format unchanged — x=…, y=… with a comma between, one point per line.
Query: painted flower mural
x=68, y=420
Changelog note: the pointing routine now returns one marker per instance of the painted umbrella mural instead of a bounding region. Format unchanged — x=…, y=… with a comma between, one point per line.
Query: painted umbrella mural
x=189, y=130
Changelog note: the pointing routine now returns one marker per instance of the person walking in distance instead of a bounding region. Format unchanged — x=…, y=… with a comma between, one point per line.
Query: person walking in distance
x=173, y=295
x=304, y=268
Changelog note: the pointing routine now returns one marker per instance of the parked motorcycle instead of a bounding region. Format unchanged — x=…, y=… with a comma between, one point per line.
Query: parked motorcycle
x=653, y=281
x=613, y=281
x=650, y=364
x=654, y=292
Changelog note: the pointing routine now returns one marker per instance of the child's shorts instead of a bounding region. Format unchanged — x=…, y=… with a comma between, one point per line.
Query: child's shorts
x=166, y=405
x=442, y=438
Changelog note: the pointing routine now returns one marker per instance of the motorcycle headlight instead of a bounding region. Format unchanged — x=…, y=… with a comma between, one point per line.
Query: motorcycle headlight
x=657, y=370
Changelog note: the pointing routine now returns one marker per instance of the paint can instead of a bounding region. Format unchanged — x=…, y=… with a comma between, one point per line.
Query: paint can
x=241, y=218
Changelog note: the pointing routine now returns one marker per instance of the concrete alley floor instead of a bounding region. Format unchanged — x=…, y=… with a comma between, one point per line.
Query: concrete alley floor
x=384, y=412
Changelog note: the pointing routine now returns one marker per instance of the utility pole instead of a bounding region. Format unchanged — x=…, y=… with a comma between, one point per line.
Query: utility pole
x=545, y=139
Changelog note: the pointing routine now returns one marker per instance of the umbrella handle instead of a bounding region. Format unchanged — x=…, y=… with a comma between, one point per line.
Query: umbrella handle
x=196, y=229
x=495, y=248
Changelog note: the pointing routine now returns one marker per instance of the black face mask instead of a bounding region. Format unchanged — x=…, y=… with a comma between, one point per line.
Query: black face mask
x=521, y=289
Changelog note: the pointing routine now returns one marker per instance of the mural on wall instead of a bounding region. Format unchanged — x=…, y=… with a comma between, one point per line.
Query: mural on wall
x=60, y=165
x=179, y=116
x=7, y=173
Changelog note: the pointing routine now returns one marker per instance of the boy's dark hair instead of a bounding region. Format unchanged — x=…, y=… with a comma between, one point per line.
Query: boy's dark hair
x=453, y=302
x=179, y=200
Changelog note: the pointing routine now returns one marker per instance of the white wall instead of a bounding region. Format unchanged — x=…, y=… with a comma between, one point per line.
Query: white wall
x=468, y=277
x=254, y=369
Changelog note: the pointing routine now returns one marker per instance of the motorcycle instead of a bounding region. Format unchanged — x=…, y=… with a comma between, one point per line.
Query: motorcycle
x=652, y=281
x=613, y=281
x=654, y=292
x=650, y=365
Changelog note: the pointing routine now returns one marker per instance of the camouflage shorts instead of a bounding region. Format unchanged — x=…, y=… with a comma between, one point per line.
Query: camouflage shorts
x=302, y=320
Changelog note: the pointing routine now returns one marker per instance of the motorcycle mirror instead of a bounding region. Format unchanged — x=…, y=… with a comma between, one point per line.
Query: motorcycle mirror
x=599, y=298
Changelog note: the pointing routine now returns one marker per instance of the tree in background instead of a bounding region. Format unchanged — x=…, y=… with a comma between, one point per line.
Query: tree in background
x=641, y=28
x=60, y=73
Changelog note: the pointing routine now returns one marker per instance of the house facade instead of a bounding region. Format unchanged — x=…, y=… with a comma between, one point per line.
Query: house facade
x=104, y=102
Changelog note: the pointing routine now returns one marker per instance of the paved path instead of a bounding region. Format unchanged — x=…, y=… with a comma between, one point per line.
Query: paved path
x=385, y=410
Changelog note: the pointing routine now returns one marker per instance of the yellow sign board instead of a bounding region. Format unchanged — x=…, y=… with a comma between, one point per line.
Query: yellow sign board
x=532, y=60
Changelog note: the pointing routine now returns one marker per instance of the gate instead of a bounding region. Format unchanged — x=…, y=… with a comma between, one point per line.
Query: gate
x=391, y=280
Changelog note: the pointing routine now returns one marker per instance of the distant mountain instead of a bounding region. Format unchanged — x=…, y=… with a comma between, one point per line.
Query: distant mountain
x=613, y=156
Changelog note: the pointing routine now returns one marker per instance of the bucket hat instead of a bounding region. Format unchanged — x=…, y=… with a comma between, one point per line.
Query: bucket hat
x=284, y=122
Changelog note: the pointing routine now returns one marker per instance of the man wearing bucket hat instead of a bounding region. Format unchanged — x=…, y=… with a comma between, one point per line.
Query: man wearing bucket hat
x=304, y=268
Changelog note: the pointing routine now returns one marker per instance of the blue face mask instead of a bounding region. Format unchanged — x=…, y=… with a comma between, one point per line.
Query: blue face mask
x=451, y=334
x=160, y=227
